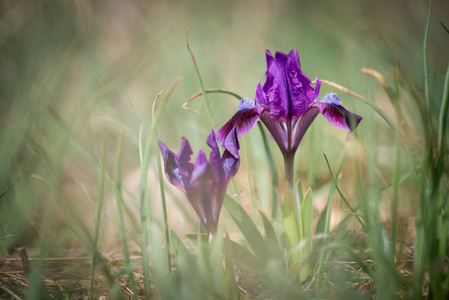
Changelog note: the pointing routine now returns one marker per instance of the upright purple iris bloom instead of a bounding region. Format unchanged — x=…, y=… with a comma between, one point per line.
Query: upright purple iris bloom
x=203, y=182
x=287, y=104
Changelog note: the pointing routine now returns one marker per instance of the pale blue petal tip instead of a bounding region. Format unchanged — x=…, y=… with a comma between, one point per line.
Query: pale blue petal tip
x=227, y=165
x=177, y=175
x=331, y=98
x=246, y=103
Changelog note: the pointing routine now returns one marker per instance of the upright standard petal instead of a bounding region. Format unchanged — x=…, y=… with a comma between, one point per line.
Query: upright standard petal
x=288, y=91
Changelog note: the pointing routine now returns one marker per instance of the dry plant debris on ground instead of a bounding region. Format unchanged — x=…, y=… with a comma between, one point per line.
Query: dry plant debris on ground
x=67, y=276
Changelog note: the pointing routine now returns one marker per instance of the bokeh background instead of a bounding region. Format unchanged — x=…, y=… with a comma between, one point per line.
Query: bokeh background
x=75, y=74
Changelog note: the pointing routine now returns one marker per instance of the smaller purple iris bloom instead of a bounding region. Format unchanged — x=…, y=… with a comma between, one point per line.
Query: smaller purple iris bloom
x=203, y=182
x=287, y=104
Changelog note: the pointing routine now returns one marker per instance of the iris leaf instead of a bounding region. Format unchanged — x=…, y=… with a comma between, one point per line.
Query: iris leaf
x=247, y=227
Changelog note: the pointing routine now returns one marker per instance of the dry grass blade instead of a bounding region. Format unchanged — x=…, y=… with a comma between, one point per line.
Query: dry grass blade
x=154, y=104
x=208, y=91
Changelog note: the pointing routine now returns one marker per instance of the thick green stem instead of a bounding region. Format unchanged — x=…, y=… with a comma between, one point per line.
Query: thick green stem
x=290, y=221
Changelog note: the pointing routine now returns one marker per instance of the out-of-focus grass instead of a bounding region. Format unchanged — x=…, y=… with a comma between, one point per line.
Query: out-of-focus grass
x=75, y=74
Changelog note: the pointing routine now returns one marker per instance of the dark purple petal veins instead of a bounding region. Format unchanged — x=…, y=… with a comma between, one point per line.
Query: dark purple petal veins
x=287, y=92
x=301, y=125
x=215, y=160
x=243, y=120
x=300, y=86
x=276, y=86
x=277, y=130
x=336, y=114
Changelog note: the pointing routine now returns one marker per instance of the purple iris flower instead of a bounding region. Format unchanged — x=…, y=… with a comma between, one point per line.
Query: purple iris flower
x=203, y=182
x=287, y=103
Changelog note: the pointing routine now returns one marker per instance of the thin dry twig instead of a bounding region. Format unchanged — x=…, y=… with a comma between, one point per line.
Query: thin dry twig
x=9, y=291
x=9, y=187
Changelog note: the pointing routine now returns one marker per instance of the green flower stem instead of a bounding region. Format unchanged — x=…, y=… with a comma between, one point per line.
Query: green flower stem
x=290, y=222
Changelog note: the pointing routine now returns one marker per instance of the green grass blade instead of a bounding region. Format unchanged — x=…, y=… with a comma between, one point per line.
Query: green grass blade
x=166, y=236
x=179, y=247
x=246, y=257
x=306, y=233
x=120, y=203
x=426, y=77
x=269, y=230
x=292, y=234
x=230, y=282
x=203, y=90
x=97, y=223
x=247, y=227
x=324, y=219
x=443, y=120
x=216, y=265
x=145, y=208
x=273, y=171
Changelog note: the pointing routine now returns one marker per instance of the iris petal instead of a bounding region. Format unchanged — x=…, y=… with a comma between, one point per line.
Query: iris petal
x=301, y=125
x=239, y=124
x=204, y=183
x=287, y=91
x=338, y=116
x=201, y=167
x=215, y=159
x=171, y=167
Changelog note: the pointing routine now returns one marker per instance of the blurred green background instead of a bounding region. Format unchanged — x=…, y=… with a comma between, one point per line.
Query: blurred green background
x=74, y=74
